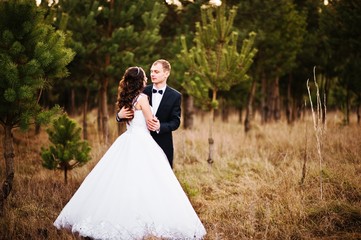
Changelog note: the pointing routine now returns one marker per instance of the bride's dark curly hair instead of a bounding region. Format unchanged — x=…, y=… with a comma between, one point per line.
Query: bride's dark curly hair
x=130, y=86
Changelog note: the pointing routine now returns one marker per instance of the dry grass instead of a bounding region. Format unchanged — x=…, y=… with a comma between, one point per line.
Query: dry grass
x=252, y=191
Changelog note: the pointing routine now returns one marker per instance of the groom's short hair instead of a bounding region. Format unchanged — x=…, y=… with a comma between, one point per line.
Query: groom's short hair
x=165, y=64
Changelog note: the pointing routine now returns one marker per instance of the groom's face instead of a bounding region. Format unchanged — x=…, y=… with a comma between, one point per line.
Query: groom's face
x=157, y=74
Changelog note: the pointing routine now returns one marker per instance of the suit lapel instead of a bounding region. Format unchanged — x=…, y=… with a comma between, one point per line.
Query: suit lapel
x=148, y=91
x=166, y=95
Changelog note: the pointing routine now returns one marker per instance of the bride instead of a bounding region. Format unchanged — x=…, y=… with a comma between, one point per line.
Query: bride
x=132, y=192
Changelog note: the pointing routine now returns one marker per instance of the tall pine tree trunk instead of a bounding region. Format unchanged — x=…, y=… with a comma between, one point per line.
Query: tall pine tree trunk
x=224, y=110
x=104, y=110
x=85, y=113
x=188, y=114
x=66, y=175
x=289, y=105
x=326, y=94
x=276, y=100
x=296, y=110
x=72, y=102
x=358, y=114
x=347, y=110
x=247, y=121
x=99, y=117
x=264, y=106
x=210, y=138
x=104, y=85
x=37, y=128
x=240, y=114
x=8, y=146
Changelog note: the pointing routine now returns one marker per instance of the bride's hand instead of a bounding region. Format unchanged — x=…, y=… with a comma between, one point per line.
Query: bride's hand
x=153, y=124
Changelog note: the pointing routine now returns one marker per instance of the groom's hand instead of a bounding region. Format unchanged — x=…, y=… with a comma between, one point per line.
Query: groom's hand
x=153, y=124
x=125, y=113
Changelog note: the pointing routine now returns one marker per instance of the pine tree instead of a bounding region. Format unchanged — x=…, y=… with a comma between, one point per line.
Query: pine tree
x=281, y=29
x=108, y=36
x=68, y=150
x=215, y=63
x=128, y=33
x=340, y=25
x=32, y=53
x=79, y=19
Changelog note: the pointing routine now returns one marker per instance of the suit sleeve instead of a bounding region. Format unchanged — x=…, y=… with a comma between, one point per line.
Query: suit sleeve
x=118, y=118
x=173, y=122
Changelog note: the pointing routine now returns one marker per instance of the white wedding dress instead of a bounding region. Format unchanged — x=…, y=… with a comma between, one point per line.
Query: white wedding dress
x=131, y=193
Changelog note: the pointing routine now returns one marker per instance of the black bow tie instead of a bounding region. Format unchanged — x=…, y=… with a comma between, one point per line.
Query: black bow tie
x=159, y=91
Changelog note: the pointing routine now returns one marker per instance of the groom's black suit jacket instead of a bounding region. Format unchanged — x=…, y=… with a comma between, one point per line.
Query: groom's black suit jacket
x=169, y=114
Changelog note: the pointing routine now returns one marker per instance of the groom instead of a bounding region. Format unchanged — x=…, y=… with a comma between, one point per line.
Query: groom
x=166, y=103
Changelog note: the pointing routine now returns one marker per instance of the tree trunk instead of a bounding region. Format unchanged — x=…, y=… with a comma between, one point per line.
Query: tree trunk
x=216, y=114
x=276, y=100
x=289, y=105
x=358, y=114
x=72, y=102
x=9, y=155
x=225, y=113
x=270, y=102
x=210, y=138
x=99, y=117
x=188, y=114
x=326, y=94
x=104, y=85
x=122, y=127
x=85, y=112
x=264, y=94
x=66, y=175
x=37, y=128
x=296, y=111
x=247, y=121
x=347, y=114
x=104, y=110
x=240, y=115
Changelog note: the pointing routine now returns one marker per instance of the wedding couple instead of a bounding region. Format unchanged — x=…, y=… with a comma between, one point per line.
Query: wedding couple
x=132, y=193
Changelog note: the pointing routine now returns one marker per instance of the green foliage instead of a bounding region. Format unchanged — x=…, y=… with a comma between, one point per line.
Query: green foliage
x=78, y=19
x=67, y=150
x=215, y=63
x=46, y=116
x=108, y=37
x=340, y=23
x=133, y=35
x=31, y=54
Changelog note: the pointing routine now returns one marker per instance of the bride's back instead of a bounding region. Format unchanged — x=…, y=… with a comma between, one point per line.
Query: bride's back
x=138, y=122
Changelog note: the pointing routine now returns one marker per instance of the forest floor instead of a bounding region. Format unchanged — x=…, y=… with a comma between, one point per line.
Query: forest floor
x=271, y=183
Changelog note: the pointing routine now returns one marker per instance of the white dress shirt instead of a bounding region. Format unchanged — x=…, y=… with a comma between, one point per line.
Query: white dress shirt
x=156, y=98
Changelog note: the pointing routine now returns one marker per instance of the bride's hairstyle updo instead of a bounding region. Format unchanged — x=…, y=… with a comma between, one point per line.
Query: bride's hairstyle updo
x=130, y=86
